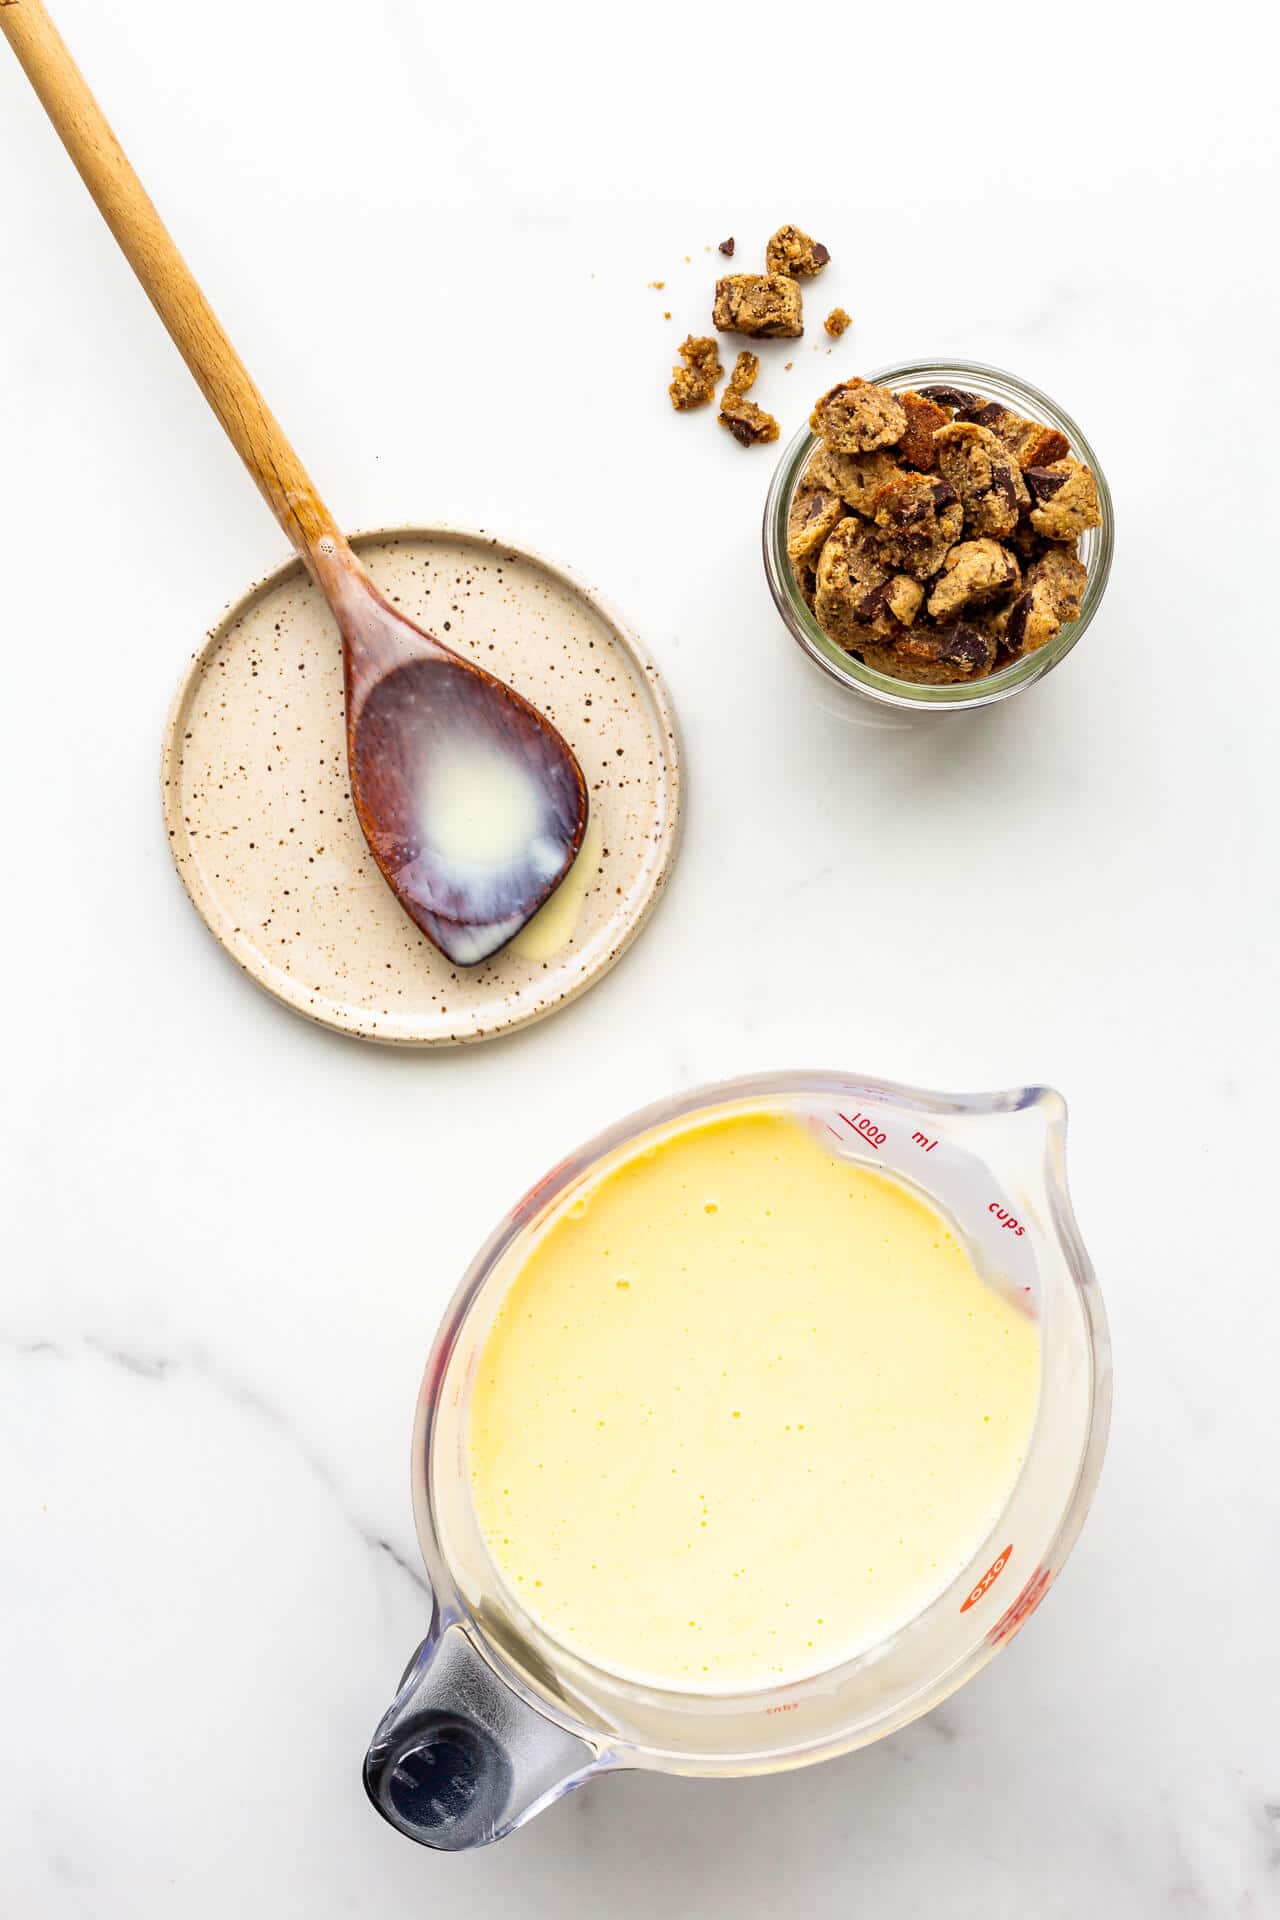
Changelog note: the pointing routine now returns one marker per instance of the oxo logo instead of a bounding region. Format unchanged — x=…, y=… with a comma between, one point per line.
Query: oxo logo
x=989, y=1578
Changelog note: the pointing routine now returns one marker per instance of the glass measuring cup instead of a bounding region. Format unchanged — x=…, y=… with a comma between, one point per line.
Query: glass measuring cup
x=494, y=1720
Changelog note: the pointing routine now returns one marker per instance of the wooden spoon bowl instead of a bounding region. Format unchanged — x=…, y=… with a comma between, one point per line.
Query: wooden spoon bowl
x=471, y=802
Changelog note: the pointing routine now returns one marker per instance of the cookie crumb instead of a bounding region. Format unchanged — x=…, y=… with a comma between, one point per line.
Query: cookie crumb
x=666, y=316
x=787, y=366
x=659, y=284
x=745, y=370
x=694, y=384
x=792, y=251
x=838, y=322
x=727, y=246
x=749, y=424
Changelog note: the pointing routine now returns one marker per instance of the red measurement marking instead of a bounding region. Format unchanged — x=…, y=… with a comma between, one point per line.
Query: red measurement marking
x=865, y=1129
x=789, y=1707
x=1022, y=1609
x=922, y=1140
x=989, y=1578
x=525, y=1207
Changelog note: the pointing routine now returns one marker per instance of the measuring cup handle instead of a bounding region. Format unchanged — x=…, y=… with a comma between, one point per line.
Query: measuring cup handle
x=459, y=1759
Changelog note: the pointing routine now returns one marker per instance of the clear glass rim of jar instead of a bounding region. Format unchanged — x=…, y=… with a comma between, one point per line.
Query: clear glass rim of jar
x=1097, y=546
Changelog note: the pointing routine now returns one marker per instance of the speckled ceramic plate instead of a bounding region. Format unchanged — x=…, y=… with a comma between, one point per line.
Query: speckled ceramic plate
x=260, y=819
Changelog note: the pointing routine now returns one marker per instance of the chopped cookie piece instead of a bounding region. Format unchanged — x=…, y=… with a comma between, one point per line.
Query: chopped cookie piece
x=856, y=477
x=791, y=251
x=937, y=656
x=695, y=383
x=1026, y=542
x=1062, y=575
x=918, y=518
x=745, y=370
x=1065, y=499
x=1031, y=443
x=924, y=417
x=994, y=621
x=814, y=512
x=857, y=417
x=727, y=246
x=986, y=477
x=974, y=572
x=1054, y=587
x=838, y=322
x=849, y=573
x=749, y=424
x=764, y=306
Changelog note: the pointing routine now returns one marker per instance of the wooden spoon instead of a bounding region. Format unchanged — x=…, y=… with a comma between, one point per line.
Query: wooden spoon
x=472, y=803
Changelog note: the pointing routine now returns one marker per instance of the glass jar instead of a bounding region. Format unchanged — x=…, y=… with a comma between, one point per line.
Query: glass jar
x=861, y=687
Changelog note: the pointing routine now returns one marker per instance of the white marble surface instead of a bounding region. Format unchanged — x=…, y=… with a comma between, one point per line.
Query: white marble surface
x=228, y=1236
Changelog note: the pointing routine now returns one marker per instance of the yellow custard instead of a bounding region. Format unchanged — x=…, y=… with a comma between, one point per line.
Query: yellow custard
x=745, y=1410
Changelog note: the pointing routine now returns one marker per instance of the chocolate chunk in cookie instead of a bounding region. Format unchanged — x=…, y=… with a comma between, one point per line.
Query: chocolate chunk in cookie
x=1065, y=499
x=952, y=397
x=857, y=417
x=983, y=413
x=695, y=383
x=815, y=511
x=973, y=573
x=918, y=518
x=935, y=656
x=985, y=476
x=791, y=251
x=856, y=477
x=764, y=306
x=924, y=418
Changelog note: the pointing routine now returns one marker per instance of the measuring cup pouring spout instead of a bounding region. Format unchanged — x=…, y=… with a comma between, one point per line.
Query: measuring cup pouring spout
x=458, y=1759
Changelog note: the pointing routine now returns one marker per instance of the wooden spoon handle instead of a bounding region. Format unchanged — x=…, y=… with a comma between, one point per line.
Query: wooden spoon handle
x=193, y=326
